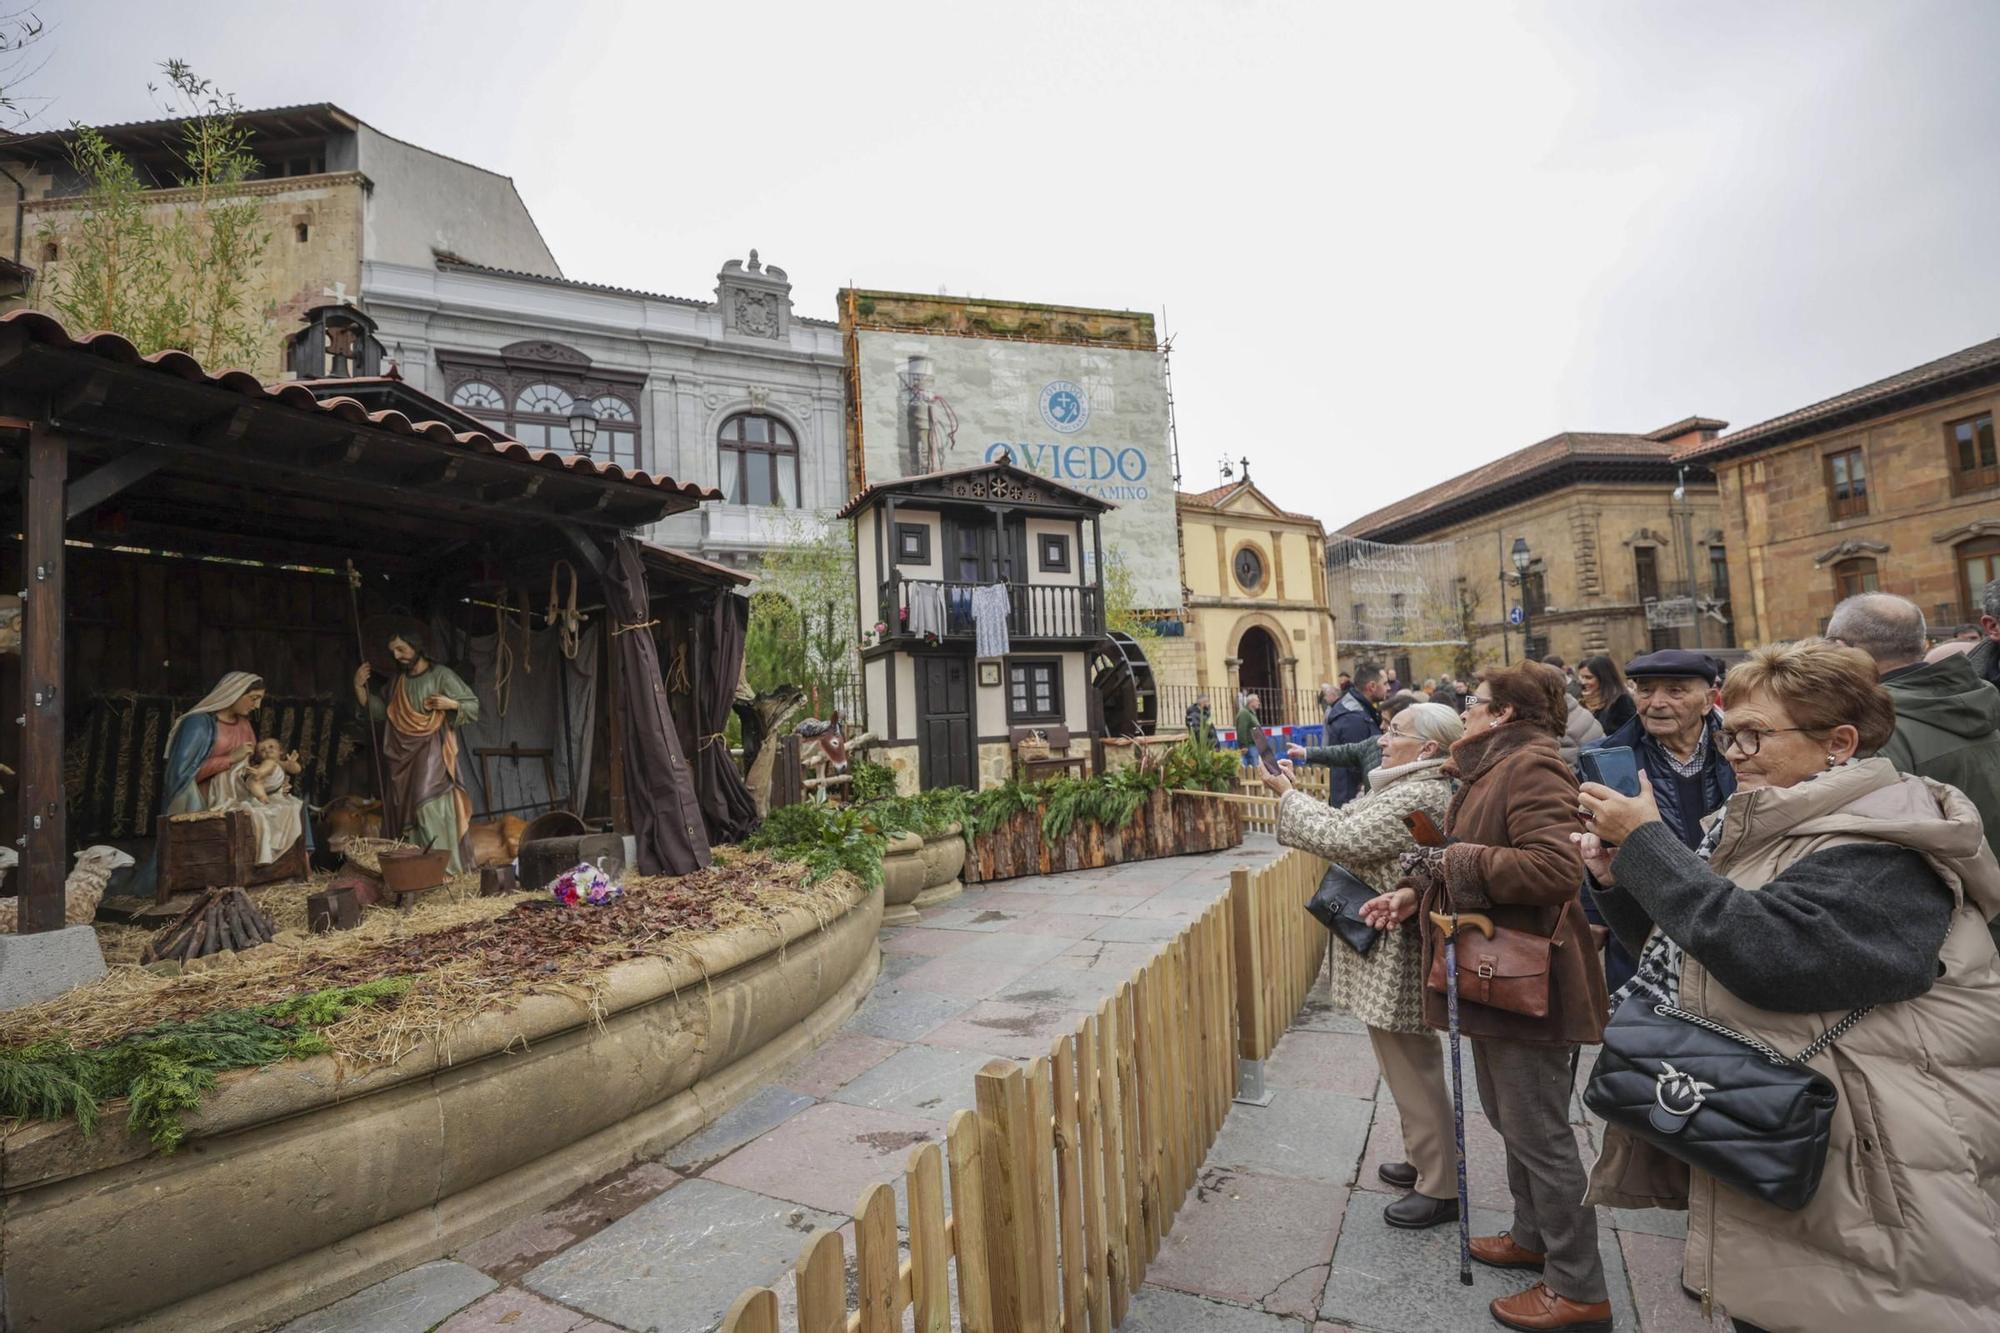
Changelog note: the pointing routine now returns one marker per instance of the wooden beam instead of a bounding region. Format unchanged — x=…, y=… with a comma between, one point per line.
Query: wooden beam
x=85, y=393
x=102, y=483
x=586, y=546
x=44, y=835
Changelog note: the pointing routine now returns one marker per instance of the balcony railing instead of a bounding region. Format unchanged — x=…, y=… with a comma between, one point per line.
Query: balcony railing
x=1034, y=610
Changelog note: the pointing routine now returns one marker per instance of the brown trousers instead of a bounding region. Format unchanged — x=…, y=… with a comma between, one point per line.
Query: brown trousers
x=1525, y=1088
x=1412, y=1064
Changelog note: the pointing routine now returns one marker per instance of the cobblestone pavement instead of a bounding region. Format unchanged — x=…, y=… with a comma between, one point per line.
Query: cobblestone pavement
x=1283, y=1235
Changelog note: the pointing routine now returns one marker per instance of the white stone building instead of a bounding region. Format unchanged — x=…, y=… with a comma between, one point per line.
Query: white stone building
x=735, y=392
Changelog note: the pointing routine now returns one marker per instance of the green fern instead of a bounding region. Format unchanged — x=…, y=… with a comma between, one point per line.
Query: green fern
x=165, y=1070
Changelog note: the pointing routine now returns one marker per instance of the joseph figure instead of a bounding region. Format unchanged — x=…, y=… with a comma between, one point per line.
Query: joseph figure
x=425, y=801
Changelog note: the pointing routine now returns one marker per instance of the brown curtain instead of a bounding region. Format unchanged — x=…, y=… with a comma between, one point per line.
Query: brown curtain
x=725, y=800
x=659, y=783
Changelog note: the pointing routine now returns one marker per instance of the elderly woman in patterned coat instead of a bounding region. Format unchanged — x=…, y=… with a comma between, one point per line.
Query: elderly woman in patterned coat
x=1384, y=987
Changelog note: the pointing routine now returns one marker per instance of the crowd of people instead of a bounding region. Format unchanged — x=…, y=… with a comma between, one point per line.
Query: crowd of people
x=1807, y=867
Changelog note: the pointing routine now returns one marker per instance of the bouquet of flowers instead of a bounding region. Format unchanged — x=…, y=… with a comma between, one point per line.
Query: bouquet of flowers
x=585, y=883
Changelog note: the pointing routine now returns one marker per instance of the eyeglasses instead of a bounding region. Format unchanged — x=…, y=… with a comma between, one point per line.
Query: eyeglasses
x=1750, y=739
x=1474, y=701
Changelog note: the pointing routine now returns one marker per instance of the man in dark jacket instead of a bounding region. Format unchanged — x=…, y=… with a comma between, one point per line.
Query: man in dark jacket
x=1673, y=738
x=1947, y=718
x=1985, y=659
x=1354, y=719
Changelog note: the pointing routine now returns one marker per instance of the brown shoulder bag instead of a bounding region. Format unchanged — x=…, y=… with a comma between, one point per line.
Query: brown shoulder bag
x=1507, y=970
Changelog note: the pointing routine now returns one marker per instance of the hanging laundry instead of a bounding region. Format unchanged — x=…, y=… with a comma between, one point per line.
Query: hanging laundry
x=926, y=608
x=990, y=606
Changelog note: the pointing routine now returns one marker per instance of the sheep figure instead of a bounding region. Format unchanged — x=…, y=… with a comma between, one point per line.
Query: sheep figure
x=81, y=892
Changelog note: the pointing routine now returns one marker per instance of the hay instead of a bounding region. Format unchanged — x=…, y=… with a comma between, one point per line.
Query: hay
x=465, y=956
x=367, y=852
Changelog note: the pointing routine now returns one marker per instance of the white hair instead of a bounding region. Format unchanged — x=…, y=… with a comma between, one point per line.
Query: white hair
x=1434, y=722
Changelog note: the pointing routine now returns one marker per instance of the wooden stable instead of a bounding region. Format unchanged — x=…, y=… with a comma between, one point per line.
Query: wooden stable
x=176, y=524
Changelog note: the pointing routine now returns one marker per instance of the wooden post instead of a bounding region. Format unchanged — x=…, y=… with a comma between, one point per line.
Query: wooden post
x=1007, y=1146
x=45, y=839
x=968, y=1224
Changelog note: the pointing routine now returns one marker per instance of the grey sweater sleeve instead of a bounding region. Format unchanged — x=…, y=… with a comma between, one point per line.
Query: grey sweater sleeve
x=1853, y=925
x=1621, y=912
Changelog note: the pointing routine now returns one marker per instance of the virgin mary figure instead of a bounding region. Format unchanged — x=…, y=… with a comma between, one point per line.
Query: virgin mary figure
x=213, y=739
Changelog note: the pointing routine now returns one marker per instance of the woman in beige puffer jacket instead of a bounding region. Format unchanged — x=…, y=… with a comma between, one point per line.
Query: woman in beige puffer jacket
x=1829, y=884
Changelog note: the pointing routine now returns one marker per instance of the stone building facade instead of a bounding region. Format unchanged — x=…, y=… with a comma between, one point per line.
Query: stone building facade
x=333, y=193
x=1256, y=611
x=1605, y=537
x=734, y=391
x=1892, y=486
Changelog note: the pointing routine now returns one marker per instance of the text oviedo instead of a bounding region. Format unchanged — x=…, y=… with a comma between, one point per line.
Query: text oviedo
x=1112, y=474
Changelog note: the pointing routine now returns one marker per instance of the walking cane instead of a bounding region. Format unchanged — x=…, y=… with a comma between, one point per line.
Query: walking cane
x=1449, y=924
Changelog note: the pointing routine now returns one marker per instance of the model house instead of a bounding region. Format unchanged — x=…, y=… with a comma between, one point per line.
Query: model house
x=981, y=600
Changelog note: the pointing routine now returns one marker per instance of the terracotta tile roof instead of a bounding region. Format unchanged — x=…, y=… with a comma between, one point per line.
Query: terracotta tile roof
x=1215, y=496
x=1933, y=378
x=45, y=329
x=863, y=496
x=1550, y=456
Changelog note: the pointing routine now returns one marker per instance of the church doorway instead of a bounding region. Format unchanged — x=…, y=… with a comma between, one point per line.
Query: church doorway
x=1259, y=674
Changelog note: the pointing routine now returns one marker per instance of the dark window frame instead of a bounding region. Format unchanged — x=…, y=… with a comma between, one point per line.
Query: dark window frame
x=1980, y=475
x=1028, y=715
x=922, y=554
x=1855, y=575
x=1853, y=479
x=618, y=441
x=1972, y=549
x=781, y=442
x=1054, y=552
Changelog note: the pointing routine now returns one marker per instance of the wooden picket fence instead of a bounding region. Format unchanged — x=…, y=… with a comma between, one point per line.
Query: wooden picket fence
x=1260, y=808
x=1279, y=947
x=1067, y=1176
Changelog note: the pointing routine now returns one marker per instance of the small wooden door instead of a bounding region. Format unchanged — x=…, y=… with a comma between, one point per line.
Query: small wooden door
x=944, y=723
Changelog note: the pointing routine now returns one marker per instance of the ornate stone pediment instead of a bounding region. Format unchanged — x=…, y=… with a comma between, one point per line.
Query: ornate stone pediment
x=543, y=352
x=1979, y=527
x=1648, y=537
x=755, y=299
x=1847, y=550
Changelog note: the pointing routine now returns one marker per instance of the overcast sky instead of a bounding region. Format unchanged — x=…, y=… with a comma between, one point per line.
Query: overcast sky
x=1392, y=241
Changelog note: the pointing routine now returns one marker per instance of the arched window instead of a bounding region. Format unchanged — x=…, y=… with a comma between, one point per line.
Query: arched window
x=1857, y=575
x=1978, y=565
x=482, y=400
x=760, y=461
x=528, y=391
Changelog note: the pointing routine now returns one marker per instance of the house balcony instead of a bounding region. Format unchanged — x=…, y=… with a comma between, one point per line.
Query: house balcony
x=1035, y=611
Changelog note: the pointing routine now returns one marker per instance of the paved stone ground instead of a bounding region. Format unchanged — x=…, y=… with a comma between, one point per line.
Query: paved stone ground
x=1284, y=1234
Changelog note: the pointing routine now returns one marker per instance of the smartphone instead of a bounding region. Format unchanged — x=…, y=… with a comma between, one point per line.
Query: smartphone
x=1424, y=829
x=1265, y=753
x=1616, y=767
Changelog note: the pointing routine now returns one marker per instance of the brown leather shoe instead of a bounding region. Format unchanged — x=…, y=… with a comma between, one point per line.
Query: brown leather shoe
x=1539, y=1308
x=1501, y=1252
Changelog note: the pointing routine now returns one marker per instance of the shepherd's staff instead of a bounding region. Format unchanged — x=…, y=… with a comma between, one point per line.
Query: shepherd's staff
x=361, y=646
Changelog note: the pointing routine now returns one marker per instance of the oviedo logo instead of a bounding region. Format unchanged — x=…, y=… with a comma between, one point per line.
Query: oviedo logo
x=1065, y=406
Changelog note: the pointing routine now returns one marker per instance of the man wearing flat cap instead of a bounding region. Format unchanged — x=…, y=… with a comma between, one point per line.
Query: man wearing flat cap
x=1673, y=738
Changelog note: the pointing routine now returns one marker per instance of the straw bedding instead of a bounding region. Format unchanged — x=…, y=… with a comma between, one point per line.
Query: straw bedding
x=465, y=956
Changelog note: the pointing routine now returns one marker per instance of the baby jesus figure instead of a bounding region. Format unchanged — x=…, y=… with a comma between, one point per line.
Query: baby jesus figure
x=268, y=775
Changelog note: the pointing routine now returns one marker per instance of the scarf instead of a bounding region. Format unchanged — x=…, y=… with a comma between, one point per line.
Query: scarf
x=233, y=686
x=1378, y=778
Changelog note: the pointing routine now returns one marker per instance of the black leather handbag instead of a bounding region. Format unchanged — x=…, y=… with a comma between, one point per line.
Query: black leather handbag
x=1336, y=904
x=1752, y=1117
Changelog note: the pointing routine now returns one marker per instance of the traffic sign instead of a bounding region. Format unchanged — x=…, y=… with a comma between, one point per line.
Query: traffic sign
x=1516, y=616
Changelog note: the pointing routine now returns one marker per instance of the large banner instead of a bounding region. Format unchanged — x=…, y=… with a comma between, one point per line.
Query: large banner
x=1092, y=418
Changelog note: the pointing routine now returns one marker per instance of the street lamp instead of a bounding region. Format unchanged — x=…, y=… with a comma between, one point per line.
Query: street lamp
x=1522, y=559
x=582, y=426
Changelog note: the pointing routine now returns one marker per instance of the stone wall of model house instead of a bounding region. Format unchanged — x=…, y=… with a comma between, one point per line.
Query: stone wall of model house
x=736, y=392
